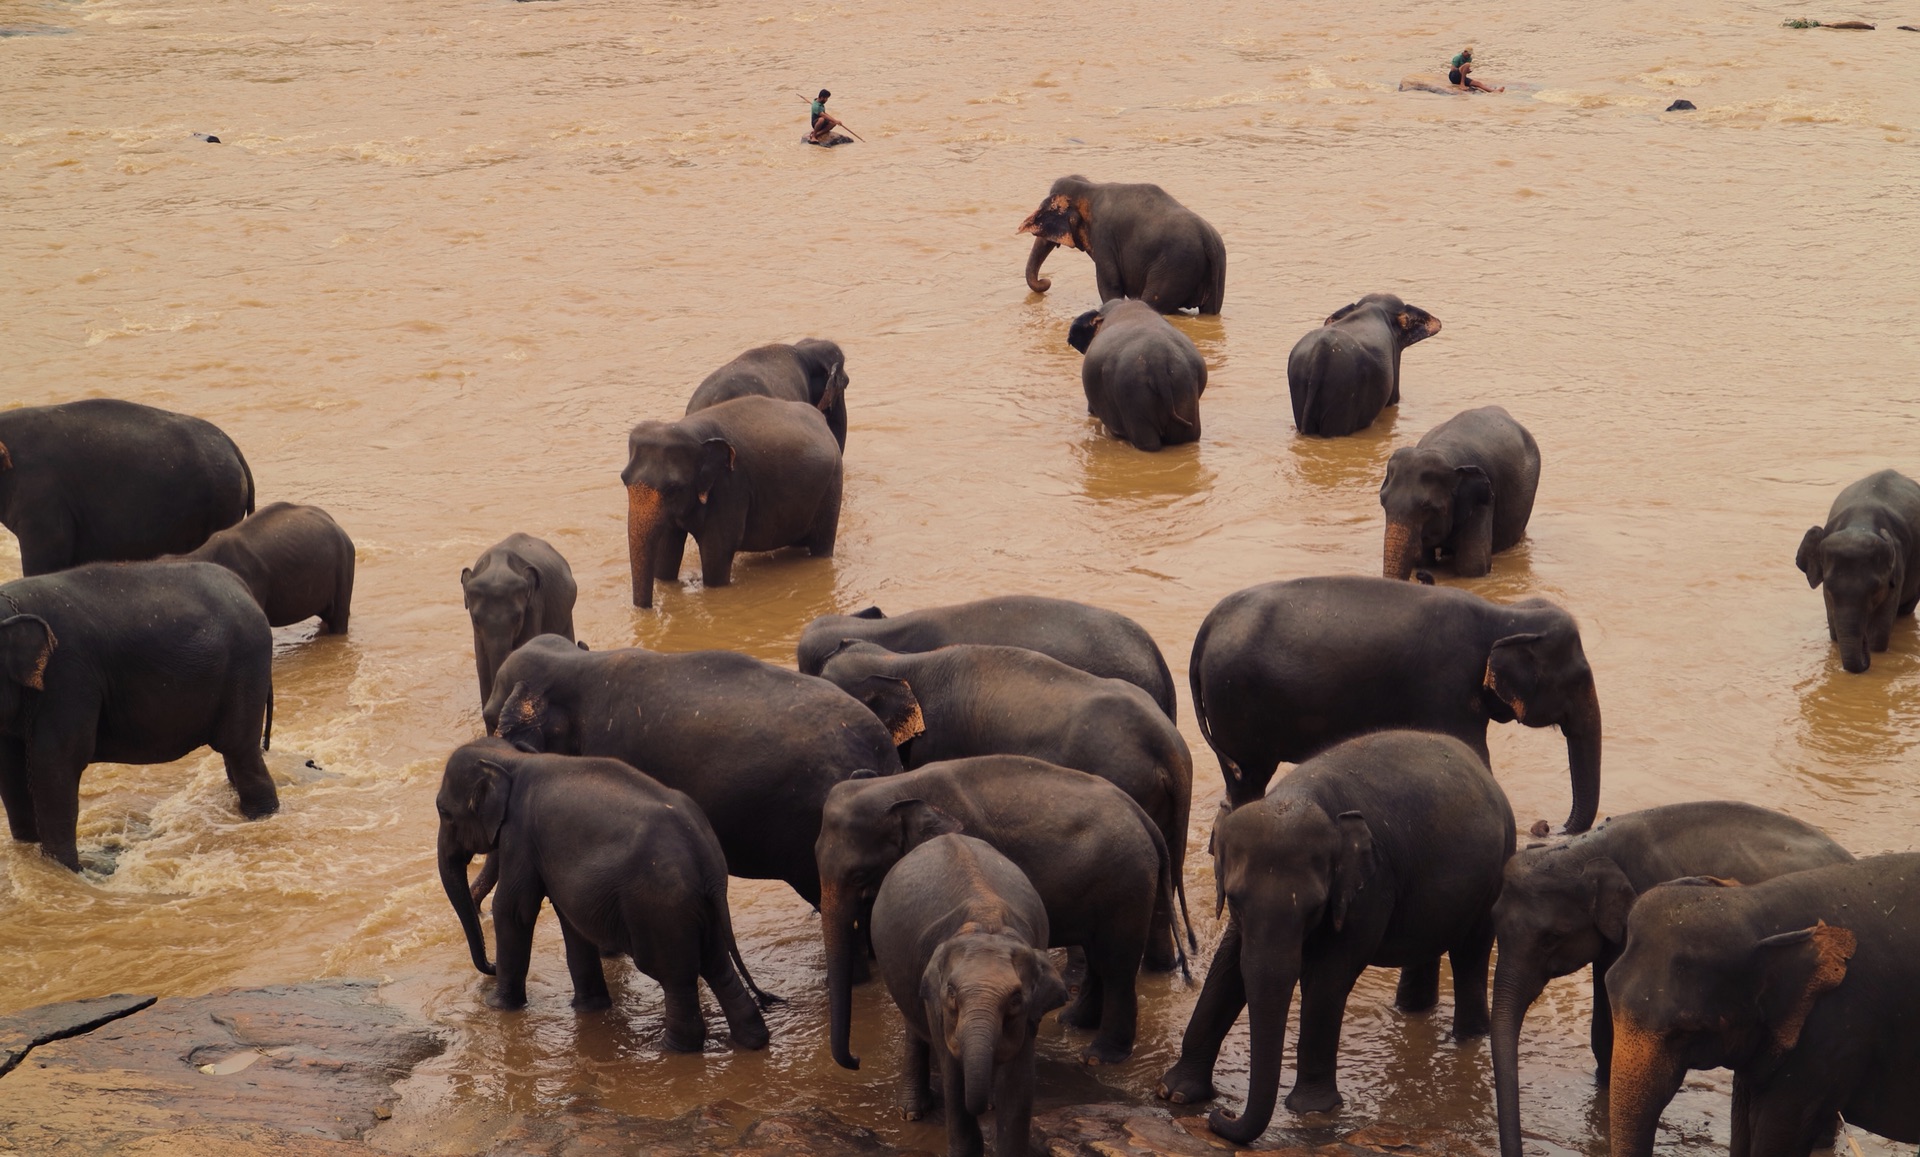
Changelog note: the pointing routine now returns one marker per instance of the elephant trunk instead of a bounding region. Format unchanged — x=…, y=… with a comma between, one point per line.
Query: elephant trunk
x=1035, y=259
x=646, y=519
x=1402, y=549
x=453, y=877
x=491, y=649
x=1646, y=1074
x=1269, y=993
x=1582, y=729
x=837, y=925
x=1850, y=631
x=976, y=1058
x=1515, y=987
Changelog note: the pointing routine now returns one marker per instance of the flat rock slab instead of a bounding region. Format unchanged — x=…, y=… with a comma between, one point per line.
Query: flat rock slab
x=1421, y=82
x=1134, y=1131
x=25, y=1031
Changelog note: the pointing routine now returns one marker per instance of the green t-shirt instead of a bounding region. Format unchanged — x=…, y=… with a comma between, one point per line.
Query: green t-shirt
x=816, y=110
x=1460, y=58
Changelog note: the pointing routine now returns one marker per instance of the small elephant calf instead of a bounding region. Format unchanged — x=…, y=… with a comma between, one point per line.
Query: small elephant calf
x=295, y=559
x=1465, y=489
x=1143, y=377
x=518, y=589
x=1344, y=373
x=1868, y=556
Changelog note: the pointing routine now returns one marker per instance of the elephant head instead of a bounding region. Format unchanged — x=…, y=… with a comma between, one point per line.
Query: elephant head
x=670, y=475
x=1862, y=569
x=824, y=636
x=1080, y=334
x=1409, y=323
x=826, y=369
x=864, y=832
x=1064, y=218
x=1426, y=498
x=866, y=672
x=472, y=803
x=500, y=603
x=1695, y=988
x=26, y=646
x=985, y=992
x=523, y=710
x=1539, y=676
x=1288, y=871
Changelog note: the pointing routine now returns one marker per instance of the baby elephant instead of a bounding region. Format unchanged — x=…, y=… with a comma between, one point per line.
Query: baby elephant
x=1143, y=377
x=961, y=936
x=295, y=560
x=811, y=371
x=518, y=588
x=1344, y=373
x=1465, y=490
x=1868, y=555
x=632, y=868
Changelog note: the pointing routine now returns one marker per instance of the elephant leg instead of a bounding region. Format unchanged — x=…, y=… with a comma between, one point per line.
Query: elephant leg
x=1469, y=959
x=583, y=964
x=15, y=792
x=1419, y=989
x=1600, y=1035
x=1013, y=1102
x=488, y=877
x=513, y=950
x=1880, y=631
x=334, y=618
x=1222, y=998
x=53, y=780
x=744, y=1023
x=1323, y=1006
x=716, y=560
x=673, y=549
x=1742, y=1123
x=1148, y=440
x=1473, y=542
x=1790, y=1116
x=686, y=1024
x=916, y=1079
x=1084, y=1012
x=826, y=523
x=963, y=1128
x=1113, y=968
x=1162, y=953
x=238, y=740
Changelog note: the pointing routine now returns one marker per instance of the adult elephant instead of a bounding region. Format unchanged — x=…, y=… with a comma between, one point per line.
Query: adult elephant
x=756, y=746
x=103, y=480
x=1465, y=491
x=1868, y=557
x=1807, y=986
x=752, y=474
x=517, y=590
x=1144, y=244
x=1143, y=378
x=1093, y=639
x=1097, y=861
x=1385, y=851
x=113, y=663
x=1344, y=373
x=295, y=559
x=1284, y=670
x=1565, y=906
x=813, y=371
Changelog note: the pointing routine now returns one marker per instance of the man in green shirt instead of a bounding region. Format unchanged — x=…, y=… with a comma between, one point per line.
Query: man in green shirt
x=823, y=125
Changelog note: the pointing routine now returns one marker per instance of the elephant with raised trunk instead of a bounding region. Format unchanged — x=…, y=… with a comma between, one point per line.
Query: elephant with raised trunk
x=1464, y=491
x=295, y=559
x=1383, y=852
x=1807, y=986
x=813, y=371
x=1868, y=558
x=1344, y=373
x=1284, y=670
x=961, y=940
x=1144, y=244
x=1565, y=905
x=517, y=590
x=1143, y=378
x=752, y=474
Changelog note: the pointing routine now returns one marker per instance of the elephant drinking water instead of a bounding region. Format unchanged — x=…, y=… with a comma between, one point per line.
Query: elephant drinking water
x=1144, y=244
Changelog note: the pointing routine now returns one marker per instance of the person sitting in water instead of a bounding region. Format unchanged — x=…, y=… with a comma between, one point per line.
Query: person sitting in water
x=823, y=125
x=1463, y=76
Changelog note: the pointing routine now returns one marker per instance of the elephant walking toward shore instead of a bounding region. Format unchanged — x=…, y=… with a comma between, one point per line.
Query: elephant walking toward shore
x=1868, y=558
x=1464, y=491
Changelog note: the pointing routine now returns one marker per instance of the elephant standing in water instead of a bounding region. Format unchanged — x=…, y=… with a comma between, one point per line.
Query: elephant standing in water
x=1144, y=244
x=295, y=559
x=1464, y=490
x=1143, y=378
x=1868, y=557
x=517, y=590
x=1344, y=373
x=811, y=371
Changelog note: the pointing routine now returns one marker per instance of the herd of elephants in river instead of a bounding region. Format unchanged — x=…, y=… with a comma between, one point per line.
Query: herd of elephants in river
x=959, y=789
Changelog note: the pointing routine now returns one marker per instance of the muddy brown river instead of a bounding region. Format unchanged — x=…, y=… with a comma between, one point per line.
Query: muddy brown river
x=447, y=253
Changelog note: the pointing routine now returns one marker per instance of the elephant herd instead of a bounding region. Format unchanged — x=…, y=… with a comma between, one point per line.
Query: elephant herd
x=960, y=789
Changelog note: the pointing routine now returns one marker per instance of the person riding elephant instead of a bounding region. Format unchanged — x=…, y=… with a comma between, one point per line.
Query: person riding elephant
x=961, y=940
x=1868, y=558
x=1465, y=491
x=756, y=746
x=1097, y=861
x=1143, y=378
x=1144, y=244
x=128, y=663
x=295, y=559
x=1283, y=670
x=1384, y=851
x=752, y=474
x=813, y=371
x=1092, y=639
x=632, y=868
x=1807, y=986
x=102, y=480
x=1564, y=906
x=1344, y=373
x=517, y=590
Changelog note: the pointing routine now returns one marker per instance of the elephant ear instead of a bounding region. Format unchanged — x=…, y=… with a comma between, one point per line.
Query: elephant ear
x=1513, y=671
x=869, y=613
x=1353, y=866
x=716, y=461
x=1610, y=896
x=1472, y=488
x=466, y=576
x=533, y=576
x=1794, y=969
x=1343, y=311
x=26, y=643
x=1808, y=557
x=1040, y=983
x=920, y=821
x=893, y=701
x=488, y=799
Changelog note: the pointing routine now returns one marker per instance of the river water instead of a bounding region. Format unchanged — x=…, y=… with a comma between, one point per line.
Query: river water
x=448, y=252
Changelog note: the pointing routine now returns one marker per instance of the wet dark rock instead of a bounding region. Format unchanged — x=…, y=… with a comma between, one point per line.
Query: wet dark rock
x=1681, y=106
x=1133, y=1131
x=207, y=137
x=24, y=1031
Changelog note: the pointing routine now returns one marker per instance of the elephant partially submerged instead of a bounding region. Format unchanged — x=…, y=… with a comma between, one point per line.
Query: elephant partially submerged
x=813, y=371
x=1143, y=378
x=1343, y=374
x=1144, y=244
x=295, y=559
x=1868, y=557
x=517, y=590
x=1464, y=490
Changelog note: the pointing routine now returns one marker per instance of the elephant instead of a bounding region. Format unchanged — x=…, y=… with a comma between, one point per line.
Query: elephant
x=1095, y=640
x=295, y=559
x=1143, y=377
x=755, y=745
x=102, y=480
x=1564, y=906
x=971, y=699
x=1096, y=860
x=1807, y=986
x=632, y=868
x=1465, y=489
x=517, y=590
x=1344, y=373
x=960, y=937
x=1384, y=851
x=1283, y=670
x=128, y=663
x=1868, y=557
x=813, y=371
x=751, y=474
x=1144, y=244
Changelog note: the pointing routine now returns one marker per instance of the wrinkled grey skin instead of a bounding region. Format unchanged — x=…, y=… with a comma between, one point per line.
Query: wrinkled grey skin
x=518, y=588
x=1868, y=557
x=1143, y=378
x=295, y=559
x=1564, y=906
x=1465, y=490
x=960, y=937
x=1144, y=244
x=1092, y=639
x=813, y=371
x=1344, y=373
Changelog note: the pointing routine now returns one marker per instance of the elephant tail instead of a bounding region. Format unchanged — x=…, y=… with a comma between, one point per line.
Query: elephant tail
x=1227, y=763
x=1216, y=292
x=248, y=471
x=1171, y=886
x=723, y=928
x=266, y=732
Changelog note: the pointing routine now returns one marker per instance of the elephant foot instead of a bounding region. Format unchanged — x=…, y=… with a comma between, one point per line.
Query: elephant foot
x=1314, y=1097
x=917, y=1104
x=506, y=1002
x=1467, y=1025
x=596, y=1003
x=259, y=809
x=1105, y=1052
x=67, y=857
x=1186, y=1084
x=1084, y=1012
x=752, y=1035
x=684, y=1040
